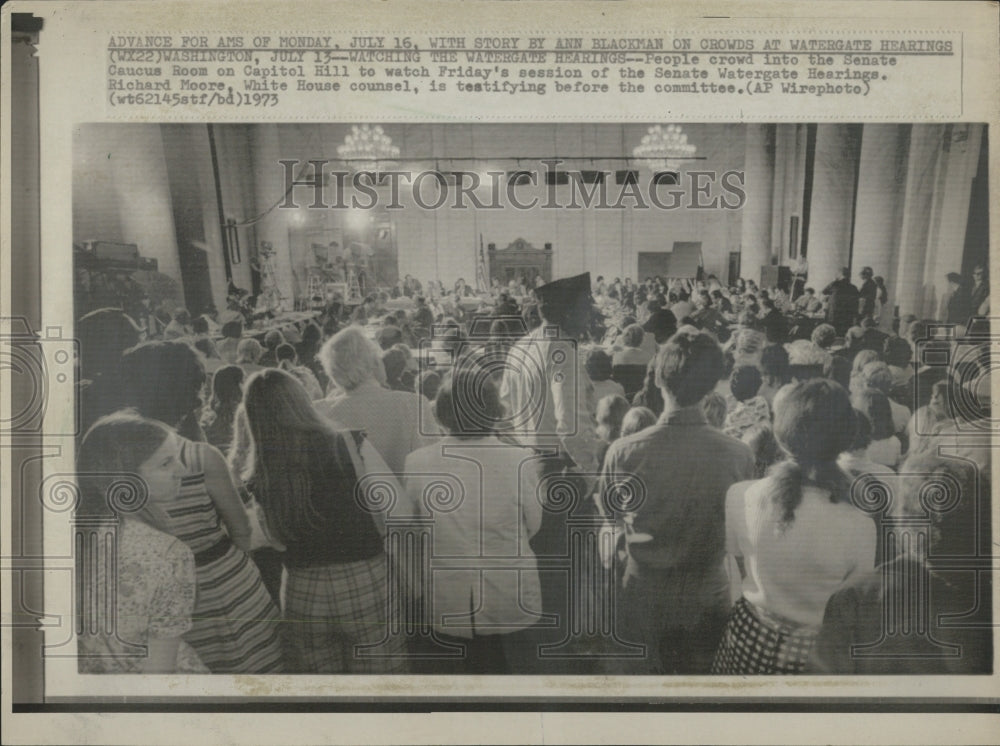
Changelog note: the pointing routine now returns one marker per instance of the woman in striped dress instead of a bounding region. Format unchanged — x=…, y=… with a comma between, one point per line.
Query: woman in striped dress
x=235, y=622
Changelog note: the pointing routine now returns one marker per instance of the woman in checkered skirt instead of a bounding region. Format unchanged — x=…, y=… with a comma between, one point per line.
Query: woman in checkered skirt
x=795, y=536
x=334, y=589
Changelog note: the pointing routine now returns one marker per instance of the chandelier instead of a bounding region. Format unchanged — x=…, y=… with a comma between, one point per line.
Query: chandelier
x=664, y=148
x=368, y=148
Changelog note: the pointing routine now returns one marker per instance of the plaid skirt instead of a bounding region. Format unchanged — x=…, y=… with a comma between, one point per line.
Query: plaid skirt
x=756, y=642
x=336, y=619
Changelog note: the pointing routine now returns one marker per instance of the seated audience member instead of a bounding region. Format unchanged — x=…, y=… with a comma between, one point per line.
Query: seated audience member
x=765, y=448
x=824, y=336
x=486, y=611
x=661, y=324
x=428, y=384
x=396, y=422
x=272, y=339
x=632, y=352
x=877, y=376
x=610, y=412
x=649, y=395
x=930, y=420
x=839, y=370
x=636, y=419
x=854, y=460
x=598, y=366
x=248, y=354
x=218, y=417
x=800, y=516
x=288, y=361
x=672, y=593
x=305, y=476
x=860, y=361
x=715, y=407
x=773, y=323
x=750, y=408
x=389, y=334
x=897, y=355
x=924, y=642
x=866, y=336
x=232, y=332
x=397, y=376
x=155, y=572
x=809, y=305
x=179, y=326
x=774, y=368
x=747, y=346
x=885, y=447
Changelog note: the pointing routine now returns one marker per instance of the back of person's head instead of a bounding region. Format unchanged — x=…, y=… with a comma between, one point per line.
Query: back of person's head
x=598, y=365
x=838, y=369
x=115, y=446
x=688, y=366
x=273, y=338
x=764, y=446
x=876, y=375
x=162, y=380
x=249, y=351
x=861, y=359
x=745, y=382
x=394, y=362
x=747, y=343
x=291, y=445
x=714, y=407
x=284, y=353
x=206, y=347
x=468, y=405
x=876, y=406
x=958, y=528
x=862, y=432
x=232, y=329
x=897, y=352
x=428, y=384
x=350, y=358
x=824, y=336
x=104, y=335
x=200, y=325
x=610, y=412
x=227, y=386
x=636, y=419
x=633, y=335
x=774, y=364
x=813, y=423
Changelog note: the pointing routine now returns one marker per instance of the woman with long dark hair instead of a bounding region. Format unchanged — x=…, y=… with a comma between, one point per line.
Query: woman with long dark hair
x=304, y=475
x=794, y=535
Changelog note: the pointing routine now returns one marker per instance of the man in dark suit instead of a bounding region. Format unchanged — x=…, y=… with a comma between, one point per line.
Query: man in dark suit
x=843, y=306
x=868, y=293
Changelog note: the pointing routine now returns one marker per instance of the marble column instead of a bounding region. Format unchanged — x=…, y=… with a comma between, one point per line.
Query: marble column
x=755, y=232
x=831, y=209
x=921, y=172
x=949, y=218
x=881, y=178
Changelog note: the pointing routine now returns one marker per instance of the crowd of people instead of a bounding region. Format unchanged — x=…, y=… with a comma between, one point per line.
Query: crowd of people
x=725, y=440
